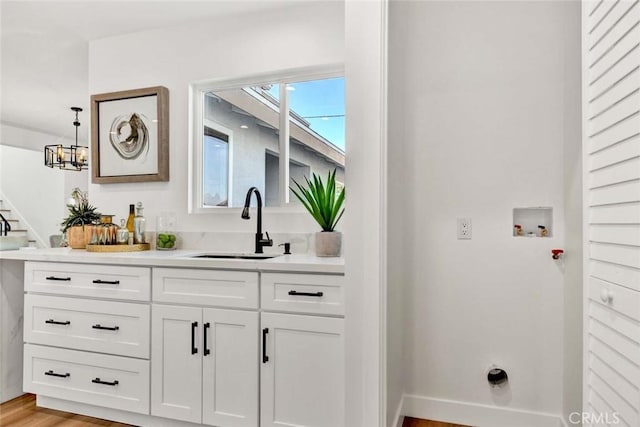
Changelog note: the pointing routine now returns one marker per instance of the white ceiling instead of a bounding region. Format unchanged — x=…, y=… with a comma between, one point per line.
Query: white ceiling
x=44, y=50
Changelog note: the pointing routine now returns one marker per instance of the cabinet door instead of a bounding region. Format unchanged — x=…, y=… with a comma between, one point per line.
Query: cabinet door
x=176, y=362
x=302, y=371
x=230, y=368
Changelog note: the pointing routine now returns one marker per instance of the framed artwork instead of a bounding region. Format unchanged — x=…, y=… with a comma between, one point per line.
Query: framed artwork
x=130, y=136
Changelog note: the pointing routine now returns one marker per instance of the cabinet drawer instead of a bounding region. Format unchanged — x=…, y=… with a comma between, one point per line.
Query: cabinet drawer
x=98, y=281
x=95, y=379
x=100, y=326
x=617, y=298
x=206, y=287
x=303, y=293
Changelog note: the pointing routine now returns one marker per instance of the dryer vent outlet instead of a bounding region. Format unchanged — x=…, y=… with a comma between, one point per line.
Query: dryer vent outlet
x=497, y=377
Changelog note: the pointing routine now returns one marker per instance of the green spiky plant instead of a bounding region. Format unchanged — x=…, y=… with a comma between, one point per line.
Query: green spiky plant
x=322, y=201
x=80, y=212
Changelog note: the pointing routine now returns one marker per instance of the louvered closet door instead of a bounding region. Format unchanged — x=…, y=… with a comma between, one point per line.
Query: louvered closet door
x=611, y=143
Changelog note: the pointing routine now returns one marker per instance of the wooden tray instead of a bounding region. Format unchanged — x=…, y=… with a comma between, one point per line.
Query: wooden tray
x=119, y=248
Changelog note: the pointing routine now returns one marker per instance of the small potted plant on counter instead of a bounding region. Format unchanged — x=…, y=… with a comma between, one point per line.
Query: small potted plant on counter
x=81, y=217
x=324, y=203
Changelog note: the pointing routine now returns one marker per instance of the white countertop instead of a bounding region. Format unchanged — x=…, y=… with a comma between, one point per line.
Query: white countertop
x=181, y=258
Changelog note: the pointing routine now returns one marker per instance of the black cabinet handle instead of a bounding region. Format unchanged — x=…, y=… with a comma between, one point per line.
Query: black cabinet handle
x=106, y=328
x=99, y=381
x=206, y=350
x=55, y=322
x=194, y=349
x=62, y=279
x=106, y=282
x=265, y=358
x=307, y=294
x=55, y=374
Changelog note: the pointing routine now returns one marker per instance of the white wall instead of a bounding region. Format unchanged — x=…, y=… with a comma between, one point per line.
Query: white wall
x=487, y=116
x=27, y=183
x=365, y=218
x=34, y=191
x=299, y=36
x=399, y=202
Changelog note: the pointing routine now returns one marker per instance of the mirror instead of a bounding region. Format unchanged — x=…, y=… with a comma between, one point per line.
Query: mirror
x=239, y=138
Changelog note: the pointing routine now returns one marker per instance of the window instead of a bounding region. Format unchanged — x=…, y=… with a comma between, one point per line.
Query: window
x=239, y=138
x=215, y=168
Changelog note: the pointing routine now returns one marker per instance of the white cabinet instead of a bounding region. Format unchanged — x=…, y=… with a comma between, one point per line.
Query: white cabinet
x=77, y=330
x=216, y=348
x=176, y=370
x=96, y=379
x=234, y=289
x=88, y=280
x=224, y=348
x=97, y=326
x=303, y=293
x=302, y=371
x=230, y=368
x=205, y=365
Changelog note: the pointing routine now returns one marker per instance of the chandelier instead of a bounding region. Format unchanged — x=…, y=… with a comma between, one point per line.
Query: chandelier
x=73, y=157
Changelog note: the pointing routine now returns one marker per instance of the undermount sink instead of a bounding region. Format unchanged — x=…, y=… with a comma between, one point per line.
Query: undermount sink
x=236, y=256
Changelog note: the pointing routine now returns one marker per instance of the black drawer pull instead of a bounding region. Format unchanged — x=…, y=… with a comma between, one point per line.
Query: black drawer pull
x=106, y=328
x=55, y=322
x=194, y=349
x=265, y=358
x=99, y=381
x=307, y=294
x=61, y=279
x=106, y=282
x=206, y=351
x=55, y=374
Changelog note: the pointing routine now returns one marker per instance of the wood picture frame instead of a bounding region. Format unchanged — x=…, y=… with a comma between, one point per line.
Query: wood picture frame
x=130, y=136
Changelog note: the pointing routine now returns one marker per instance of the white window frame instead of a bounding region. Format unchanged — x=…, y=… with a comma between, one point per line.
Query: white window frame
x=197, y=92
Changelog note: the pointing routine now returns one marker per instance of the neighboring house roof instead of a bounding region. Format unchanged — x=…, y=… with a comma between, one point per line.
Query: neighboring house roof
x=266, y=109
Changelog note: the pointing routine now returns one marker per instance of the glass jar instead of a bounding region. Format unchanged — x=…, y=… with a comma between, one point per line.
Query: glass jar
x=123, y=233
x=166, y=231
x=107, y=230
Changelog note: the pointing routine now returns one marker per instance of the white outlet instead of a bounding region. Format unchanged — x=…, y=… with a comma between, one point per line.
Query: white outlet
x=464, y=228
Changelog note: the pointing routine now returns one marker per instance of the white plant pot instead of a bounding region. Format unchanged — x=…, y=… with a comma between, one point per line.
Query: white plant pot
x=328, y=243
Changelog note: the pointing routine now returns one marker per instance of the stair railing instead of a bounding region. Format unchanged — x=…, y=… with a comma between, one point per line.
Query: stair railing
x=5, y=227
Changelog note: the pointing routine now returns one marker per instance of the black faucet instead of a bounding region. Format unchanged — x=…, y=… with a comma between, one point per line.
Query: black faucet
x=260, y=242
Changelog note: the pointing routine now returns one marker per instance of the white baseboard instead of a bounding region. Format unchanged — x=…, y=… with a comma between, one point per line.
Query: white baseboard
x=473, y=414
x=110, y=414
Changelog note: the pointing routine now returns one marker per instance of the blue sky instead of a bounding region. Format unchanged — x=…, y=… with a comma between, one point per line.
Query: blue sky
x=321, y=103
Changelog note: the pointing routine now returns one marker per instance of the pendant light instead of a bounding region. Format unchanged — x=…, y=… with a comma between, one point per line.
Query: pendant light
x=71, y=158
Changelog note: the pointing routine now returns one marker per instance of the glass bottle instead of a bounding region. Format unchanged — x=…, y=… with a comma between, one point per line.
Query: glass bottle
x=139, y=225
x=130, y=219
x=166, y=231
x=123, y=233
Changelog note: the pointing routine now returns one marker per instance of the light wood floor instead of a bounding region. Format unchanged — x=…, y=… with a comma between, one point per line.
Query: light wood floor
x=22, y=412
x=414, y=422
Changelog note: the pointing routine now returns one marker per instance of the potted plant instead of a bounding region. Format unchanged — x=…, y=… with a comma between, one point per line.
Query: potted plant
x=324, y=203
x=81, y=215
